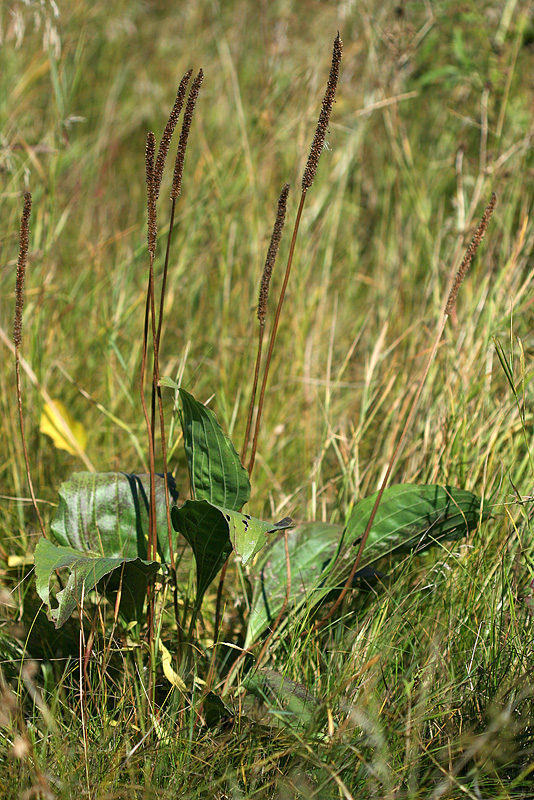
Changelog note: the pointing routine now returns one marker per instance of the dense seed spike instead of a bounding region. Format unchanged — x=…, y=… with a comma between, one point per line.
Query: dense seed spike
x=272, y=253
x=324, y=117
x=151, y=192
x=169, y=130
x=21, y=268
x=470, y=254
x=184, y=135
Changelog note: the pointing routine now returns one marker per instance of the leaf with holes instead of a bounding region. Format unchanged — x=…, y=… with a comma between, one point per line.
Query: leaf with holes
x=248, y=534
x=211, y=531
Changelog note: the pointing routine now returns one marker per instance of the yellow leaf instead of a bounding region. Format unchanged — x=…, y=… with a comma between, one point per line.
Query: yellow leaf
x=172, y=676
x=19, y=561
x=58, y=423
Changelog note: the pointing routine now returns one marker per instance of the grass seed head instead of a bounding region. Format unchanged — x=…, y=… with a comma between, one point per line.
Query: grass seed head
x=169, y=130
x=21, y=268
x=151, y=191
x=470, y=254
x=324, y=117
x=184, y=135
x=272, y=253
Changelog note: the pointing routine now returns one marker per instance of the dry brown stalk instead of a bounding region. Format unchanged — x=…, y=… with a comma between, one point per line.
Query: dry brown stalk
x=24, y=240
x=262, y=301
x=154, y=174
x=184, y=135
x=175, y=192
x=471, y=250
x=307, y=180
x=169, y=130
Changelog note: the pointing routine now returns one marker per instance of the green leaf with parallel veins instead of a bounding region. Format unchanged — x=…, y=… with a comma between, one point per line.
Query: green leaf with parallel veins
x=215, y=469
x=311, y=547
x=107, y=513
x=409, y=518
x=412, y=517
x=131, y=574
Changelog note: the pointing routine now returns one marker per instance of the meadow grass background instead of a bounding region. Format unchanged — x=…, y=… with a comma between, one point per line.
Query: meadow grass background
x=433, y=113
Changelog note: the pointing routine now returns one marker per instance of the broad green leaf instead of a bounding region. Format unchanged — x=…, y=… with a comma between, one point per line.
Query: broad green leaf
x=130, y=574
x=205, y=529
x=409, y=518
x=107, y=513
x=412, y=517
x=215, y=469
x=211, y=531
x=311, y=548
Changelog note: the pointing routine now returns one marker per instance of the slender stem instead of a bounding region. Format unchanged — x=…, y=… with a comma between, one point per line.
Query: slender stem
x=24, y=448
x=253, y=395
x=157, y=339
x=152, y=509
x=154, y=527
x=270, y=262
x=151, y=464
x=274, y=332
x=157, y=388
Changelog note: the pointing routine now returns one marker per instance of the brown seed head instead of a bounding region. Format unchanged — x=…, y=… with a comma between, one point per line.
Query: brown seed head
x=21, y=268
x=169, y=130
x=184, y=135
x=324, y=117
x=272, y=253
x=470, y=254
x=151, y=192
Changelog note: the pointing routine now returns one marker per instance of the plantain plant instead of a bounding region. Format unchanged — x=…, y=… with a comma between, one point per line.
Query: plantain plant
x=117, y=533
